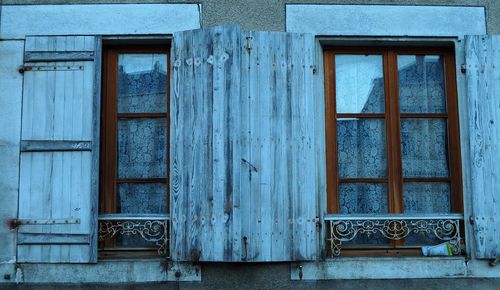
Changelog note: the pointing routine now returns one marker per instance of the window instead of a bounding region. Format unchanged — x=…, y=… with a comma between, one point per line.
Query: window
x=392, y=134
x=134, y=175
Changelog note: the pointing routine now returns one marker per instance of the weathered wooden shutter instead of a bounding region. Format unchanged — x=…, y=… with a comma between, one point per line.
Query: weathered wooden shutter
x=243, y=179
x=58, y=189
x=483, y=104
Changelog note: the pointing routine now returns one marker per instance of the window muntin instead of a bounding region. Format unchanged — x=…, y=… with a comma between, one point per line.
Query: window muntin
x=417, y=129
x=134, y=168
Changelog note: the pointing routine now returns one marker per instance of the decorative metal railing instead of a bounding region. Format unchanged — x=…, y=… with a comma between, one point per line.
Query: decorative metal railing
x=150, y=228
x=345, y=228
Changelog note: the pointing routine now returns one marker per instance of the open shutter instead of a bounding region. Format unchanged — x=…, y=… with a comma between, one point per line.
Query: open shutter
x=58, y=189
x=243, y=179
x=483, y=103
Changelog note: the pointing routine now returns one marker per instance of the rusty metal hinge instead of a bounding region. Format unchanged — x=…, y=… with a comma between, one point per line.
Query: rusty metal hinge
x=15, y=223
x=23, y=68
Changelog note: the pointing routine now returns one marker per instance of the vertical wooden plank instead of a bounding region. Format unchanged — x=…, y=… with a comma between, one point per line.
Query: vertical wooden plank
x=246, y=170
x=483, y=91
x=320, y=144
x=176, y=146
x=279, y=221
x=94, y=97
x=232, y=208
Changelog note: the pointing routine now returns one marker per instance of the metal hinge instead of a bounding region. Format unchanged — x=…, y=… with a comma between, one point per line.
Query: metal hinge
x=24, y=68
x=15, y=223
x=463, y=68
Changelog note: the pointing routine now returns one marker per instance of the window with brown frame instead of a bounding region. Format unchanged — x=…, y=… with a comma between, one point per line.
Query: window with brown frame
x=134, y=146
x=392, y=134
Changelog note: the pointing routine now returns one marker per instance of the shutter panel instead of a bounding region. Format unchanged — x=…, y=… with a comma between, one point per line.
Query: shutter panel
x=243, y=178
x=58, y=189
x=483, y=104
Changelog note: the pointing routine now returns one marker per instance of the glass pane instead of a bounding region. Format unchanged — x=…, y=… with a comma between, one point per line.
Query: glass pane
x=142, y=83
x=421, y=84
x=363, y=198
x=142, y=198
x=361, y=148
x=359, y=83
x=142, y=148
x=424, y=148
x=426, y=197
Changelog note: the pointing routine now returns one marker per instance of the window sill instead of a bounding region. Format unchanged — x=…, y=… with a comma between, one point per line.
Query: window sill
x=381, y=268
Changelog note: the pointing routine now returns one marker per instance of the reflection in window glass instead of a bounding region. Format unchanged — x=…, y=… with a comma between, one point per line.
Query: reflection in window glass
x=142, y=83
x=421, y=84
x=359, y=83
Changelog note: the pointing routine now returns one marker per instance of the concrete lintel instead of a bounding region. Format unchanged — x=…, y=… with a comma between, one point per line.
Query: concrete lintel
x=18, y=21
x=385, y=20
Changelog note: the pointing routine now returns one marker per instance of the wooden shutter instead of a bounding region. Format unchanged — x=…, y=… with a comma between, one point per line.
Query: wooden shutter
x=483, y=105
x=243, y=179
x=59, y=170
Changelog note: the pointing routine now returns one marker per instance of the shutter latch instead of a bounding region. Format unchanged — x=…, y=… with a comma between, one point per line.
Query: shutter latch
x=249, y=43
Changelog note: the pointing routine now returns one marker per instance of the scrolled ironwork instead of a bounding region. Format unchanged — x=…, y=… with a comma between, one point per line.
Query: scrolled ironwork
x=345, y=230
x=155, y=231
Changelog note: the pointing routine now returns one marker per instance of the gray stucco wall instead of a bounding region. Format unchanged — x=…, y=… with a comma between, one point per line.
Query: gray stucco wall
x=270, y=14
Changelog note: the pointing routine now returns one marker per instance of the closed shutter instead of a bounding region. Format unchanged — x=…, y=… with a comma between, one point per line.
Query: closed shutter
x=243, y=175
x=483, y=105
x=58, y=189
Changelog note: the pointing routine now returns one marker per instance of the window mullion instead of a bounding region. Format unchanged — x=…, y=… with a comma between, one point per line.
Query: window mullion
x=393, y=135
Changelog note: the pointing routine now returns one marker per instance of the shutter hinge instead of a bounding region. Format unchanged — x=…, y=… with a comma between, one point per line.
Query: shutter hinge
x=249, y=43
x=24, y=68
x=463, y=69
x=471, y=220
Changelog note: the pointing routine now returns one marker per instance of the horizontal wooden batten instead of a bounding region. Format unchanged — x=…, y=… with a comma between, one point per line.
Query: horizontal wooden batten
x=49, y=145
x=141, y=115
x=348, y=115
x=50, y=56
x=46, y=238
x=142, y=180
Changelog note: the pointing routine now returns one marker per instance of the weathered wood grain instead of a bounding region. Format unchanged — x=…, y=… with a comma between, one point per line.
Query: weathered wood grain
x=243, y=146
x=59, y=176
x=482, y=55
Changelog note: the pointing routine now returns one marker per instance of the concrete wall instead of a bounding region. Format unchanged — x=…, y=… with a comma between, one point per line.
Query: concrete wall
x=270, y=14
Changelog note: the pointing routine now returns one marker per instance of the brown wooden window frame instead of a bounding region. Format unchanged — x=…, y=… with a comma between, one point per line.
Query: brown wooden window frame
x=109, y=122
x=392, y=118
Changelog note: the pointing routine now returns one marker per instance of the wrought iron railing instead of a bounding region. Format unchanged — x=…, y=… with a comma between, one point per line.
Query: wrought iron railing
x=344, y=228
x=149, y=228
